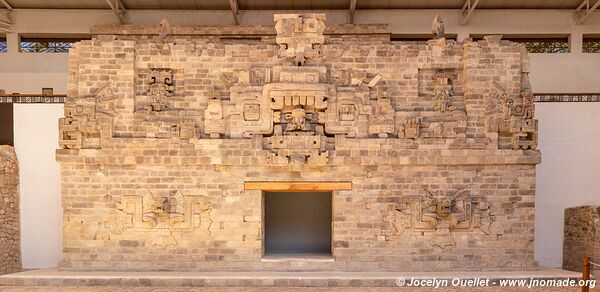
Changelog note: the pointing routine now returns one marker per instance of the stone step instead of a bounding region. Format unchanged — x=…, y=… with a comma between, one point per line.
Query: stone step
x=56, y=278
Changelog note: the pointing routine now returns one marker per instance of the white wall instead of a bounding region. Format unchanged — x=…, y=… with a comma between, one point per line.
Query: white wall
x=569, y=138
x=36, y=140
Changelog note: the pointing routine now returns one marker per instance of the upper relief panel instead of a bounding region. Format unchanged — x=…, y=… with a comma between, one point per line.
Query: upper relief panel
x=296, y=92
x=300, y=36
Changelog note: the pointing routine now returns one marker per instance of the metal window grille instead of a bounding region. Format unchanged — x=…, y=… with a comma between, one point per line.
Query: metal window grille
x=544, y=45
x=591, y=45
x=3, y=46
x=415, y=39
x=46, y=45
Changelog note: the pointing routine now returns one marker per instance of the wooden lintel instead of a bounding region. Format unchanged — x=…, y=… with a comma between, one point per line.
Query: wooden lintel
x=313, y=186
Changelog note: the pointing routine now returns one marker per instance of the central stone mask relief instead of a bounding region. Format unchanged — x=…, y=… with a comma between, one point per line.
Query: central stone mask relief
x=297, y=106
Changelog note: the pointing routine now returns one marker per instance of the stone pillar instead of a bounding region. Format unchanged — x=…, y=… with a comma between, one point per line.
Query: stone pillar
x=581, y=237
x=10, y=242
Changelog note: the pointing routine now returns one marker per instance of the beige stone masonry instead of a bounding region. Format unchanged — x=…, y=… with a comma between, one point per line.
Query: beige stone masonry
x=164, y=126
x=581, y=238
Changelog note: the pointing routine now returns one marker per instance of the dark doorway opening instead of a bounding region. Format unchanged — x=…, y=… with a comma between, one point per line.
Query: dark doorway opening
x=6, y=124
x=297, y=223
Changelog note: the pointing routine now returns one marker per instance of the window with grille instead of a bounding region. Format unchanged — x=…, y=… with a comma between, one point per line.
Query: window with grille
x=544, y=45
x=591, y=44
x=46, y=45
x=3, y=46
x=538, y=44
x=418, y=38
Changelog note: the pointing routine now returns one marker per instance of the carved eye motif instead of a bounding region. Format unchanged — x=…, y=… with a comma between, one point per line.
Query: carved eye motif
x=251, y=112
x=311, y=25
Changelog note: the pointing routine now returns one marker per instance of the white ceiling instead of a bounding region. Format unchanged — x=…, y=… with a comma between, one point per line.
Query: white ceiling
x=295, y=4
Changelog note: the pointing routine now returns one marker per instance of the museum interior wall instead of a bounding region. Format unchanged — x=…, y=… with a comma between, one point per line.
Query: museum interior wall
x=41, y=215
x=567, y=175
x=28, y=73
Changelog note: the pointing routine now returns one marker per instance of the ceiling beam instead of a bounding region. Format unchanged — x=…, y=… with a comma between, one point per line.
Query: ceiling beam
x=6, y=18
x=468, y=9
x=118, y=9
x=6, y=26
x=581, y=14
x=352, y=10
x=234, y=10
x=7, y=5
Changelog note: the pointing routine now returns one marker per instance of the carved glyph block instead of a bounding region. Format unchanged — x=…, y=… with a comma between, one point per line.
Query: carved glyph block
x=214, y=123
x=162, y=86
x=163, y=215
x=440, y=215
x=299, y=36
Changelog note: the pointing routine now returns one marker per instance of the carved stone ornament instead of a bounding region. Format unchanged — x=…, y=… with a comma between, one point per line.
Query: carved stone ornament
x=441, y=215
x=165, y=29
x=381, y=122
x=513, y=117
x=88, y=119
x=411, y=129
x=442, y=94
x=306, y=97
x=163, y=216
x=187, y=129
x=437, y=27
x=214, y=124
x=162, y=87
x=300, y=36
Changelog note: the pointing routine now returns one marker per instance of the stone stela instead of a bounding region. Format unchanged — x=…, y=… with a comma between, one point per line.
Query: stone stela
x=172, y=135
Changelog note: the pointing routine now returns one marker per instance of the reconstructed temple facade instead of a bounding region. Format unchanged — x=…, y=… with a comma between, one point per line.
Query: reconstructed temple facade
x=172, y=136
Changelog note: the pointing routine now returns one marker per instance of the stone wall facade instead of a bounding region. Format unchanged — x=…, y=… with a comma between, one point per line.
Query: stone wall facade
x=581, y=238
x=10, y=232
x=164, y=126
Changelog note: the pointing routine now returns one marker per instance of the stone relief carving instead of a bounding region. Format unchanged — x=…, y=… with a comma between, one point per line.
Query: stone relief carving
x=437, y=27
x=84, y=118
x=512, y=117
x=381, y=122
x=165, y=29
x=300, y=36
x=163, y=216
x=187, y=129
x=298, y=102
x=214, y=124
x=162, y=87
x=411, y=128
x=442, y=93
x=307, y=100
x=163, y=41
x=298, y=106
x=438, y=214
